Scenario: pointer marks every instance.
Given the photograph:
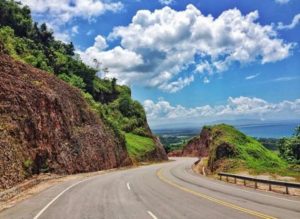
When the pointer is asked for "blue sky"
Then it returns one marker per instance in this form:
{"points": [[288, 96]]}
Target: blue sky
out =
{"points": [[190, 61]]}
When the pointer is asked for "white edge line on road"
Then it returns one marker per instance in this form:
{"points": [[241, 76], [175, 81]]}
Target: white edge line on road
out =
{"points": [[128, 186], [53, 200], [152, 215]]}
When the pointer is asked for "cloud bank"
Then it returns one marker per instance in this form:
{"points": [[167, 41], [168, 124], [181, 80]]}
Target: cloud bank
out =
{"points": [[236, 108]]}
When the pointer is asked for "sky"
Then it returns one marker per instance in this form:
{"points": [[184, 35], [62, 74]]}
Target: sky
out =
{"points": [[190, 61]]}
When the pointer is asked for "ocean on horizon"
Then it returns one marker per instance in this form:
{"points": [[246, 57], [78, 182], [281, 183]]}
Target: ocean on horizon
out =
{"points": [[268, 130]]}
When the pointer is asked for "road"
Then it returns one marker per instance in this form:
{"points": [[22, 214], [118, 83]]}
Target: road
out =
{"points": [[167, 190]]}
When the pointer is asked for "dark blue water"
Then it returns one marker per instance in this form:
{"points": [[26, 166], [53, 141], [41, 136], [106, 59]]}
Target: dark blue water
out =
{"points": [[273, 130], [268, 130]]}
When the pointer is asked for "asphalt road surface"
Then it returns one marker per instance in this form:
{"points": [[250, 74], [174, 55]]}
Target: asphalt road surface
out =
{"points": [[167, 190]]}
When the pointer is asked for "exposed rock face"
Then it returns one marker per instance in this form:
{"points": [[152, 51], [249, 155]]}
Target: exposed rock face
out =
{"points": [[175, 153], [159, 153], [46, 125], [198, 146]]}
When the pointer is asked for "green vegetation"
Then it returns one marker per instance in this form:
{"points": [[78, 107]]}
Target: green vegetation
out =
{"points": [[138, 146], [28, 165], [74, 80], [289, 148], [172, 143], [269, 143], [31, 43], [243, 152], [35, 44]]}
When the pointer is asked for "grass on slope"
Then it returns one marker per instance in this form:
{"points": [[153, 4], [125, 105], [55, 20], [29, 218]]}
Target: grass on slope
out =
{"points": [[138, 146], [249, 153]]}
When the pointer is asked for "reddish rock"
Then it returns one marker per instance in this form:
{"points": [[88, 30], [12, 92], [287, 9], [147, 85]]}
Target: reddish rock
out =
{"points": [[198, 146], [159, 154], [46, 125], [175, 153]]}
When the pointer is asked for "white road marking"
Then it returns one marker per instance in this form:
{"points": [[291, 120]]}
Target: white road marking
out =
{"points": [[53, 200], [152, 215], [128, 186]]}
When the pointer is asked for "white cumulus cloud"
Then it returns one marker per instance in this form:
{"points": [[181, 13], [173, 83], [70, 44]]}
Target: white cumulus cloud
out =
{"points": [[65, 10], [56, 13], [166, 42]]}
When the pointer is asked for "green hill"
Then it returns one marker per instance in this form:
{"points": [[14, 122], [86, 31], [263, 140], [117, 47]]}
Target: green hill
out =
{"points": [[232, 150]]}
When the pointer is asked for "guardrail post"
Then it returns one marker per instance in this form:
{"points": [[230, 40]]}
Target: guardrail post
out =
{"points": [[270, 187], [286, 189], [255, 185], [220, 177], [235, 180], [227, 178]]}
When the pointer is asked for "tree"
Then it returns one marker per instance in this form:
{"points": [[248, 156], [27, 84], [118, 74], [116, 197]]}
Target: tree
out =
{"points": [[125, 106], [289, 149], [70, 49], [16, 16], [297, 131], [45, 35], [113, 85]]}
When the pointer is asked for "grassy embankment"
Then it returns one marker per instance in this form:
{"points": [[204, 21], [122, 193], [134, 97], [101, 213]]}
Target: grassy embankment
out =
{"points": [[138, 146], [247, 153]]}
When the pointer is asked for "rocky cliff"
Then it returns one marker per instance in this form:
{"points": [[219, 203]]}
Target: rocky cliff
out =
{"points": [[159, 153], [47, 126], [199, 146], [196, 147]]}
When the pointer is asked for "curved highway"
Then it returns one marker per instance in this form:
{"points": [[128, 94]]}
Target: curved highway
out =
{"points": [[167, 190]]}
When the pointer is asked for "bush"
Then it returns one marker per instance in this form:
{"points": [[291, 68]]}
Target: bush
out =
{"points": [[28, 165], [74, 80], [289, 149]]}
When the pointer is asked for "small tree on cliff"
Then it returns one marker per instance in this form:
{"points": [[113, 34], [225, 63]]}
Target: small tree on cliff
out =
{"points": [[297, 131], [113, 84]]}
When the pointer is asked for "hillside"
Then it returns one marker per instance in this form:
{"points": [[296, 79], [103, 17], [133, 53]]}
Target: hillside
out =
{"points": [[92, 116], [230, 150], [47, 126]]}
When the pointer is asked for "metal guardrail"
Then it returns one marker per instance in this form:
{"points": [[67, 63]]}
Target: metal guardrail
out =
{"points": [[287, 185]]}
